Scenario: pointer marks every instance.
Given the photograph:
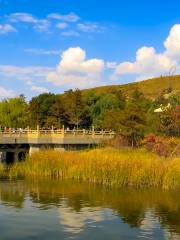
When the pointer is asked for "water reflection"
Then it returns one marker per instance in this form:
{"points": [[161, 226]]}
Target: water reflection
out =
{"points": [[64, 209], [75, 222], [12, 194]]}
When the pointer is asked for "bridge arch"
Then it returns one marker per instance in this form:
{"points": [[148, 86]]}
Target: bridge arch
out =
{"points": [[10, 158], [21, 156]]}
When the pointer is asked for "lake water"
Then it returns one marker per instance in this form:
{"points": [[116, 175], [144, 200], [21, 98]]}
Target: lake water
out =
{"points": [[54, 210]]}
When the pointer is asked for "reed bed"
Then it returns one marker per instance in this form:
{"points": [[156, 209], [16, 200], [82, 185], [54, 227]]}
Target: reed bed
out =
{"points": [[108, 167]]}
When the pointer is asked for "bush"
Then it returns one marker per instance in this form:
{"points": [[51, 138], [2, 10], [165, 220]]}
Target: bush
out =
{"points": [[162, 146]]}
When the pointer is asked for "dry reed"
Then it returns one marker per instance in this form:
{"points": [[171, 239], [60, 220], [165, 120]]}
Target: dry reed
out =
{"points": [[109, 167]]}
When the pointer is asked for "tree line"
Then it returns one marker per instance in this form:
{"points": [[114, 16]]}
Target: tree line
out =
{"points": [[131, 116]]}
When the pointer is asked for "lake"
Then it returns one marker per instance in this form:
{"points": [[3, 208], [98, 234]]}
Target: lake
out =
{"points": [[38, 209]]}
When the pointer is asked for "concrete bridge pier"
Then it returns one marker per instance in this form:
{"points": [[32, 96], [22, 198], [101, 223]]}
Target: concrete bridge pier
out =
{"points": [[2, 157], [36, 148], [33, 149]]}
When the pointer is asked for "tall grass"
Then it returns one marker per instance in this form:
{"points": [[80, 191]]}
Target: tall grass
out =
{"points": [[109, 167]]}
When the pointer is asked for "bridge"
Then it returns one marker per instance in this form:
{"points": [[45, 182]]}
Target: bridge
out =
{"points": [[14, 145]]}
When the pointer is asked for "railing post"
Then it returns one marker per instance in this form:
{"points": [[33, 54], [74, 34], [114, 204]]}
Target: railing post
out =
{"points": [[102, 133], [37, 129], [93, 133], [63, 130]]}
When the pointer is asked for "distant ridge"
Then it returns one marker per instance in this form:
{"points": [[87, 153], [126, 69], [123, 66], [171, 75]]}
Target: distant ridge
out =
{"points": [[151, 88]]}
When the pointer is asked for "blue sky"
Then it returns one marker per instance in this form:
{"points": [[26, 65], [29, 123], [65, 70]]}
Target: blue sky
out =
{"points": [[54, 45]]}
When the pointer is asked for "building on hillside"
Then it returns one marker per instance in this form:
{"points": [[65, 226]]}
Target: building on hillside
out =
{"points": [[162, 108]]}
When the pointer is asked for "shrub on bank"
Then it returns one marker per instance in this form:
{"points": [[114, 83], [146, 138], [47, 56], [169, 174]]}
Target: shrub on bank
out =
{"points": [[162, 146]]}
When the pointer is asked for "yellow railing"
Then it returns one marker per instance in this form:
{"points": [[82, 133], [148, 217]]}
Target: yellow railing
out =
{"points": [[55, 133]]}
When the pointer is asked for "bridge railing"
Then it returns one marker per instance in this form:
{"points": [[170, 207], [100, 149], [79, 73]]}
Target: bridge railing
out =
{"points": [[60, 133]]}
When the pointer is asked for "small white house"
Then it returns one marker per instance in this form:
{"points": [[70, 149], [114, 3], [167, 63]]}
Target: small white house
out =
{"points": [[162, 108]]}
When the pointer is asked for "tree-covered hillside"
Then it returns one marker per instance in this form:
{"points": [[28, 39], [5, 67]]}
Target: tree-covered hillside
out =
{"points": [[131, 110]]}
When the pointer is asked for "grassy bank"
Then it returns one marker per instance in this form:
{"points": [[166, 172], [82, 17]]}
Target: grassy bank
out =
{"points": [[109, 167]]}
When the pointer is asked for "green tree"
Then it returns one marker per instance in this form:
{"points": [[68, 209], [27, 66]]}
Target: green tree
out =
{"points": [[129, 123], [105, 102], [40, 110], [74, 108], [112, 120], [170, 121], [13, 112], [132, 124], [58, 112]]}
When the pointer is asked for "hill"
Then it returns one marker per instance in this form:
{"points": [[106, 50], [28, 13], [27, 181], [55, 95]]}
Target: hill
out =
{"points": [[151, 88]]}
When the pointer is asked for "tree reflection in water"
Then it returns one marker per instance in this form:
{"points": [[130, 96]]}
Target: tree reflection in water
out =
{"points": [[79, 203]]}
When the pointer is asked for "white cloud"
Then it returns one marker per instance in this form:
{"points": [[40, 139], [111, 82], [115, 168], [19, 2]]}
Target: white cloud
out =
{"points": [[54, 20], [42, 25], [71, 17], [39, 89], [111, 65], [89, 27], [4, 93], [62, 25], [29, 83], [30, 76], [70, 33], [22, 17], [42, 51], [172, 43], [149, 63], [38, 24], [75, 71], [6, 28], [24, 73]]}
